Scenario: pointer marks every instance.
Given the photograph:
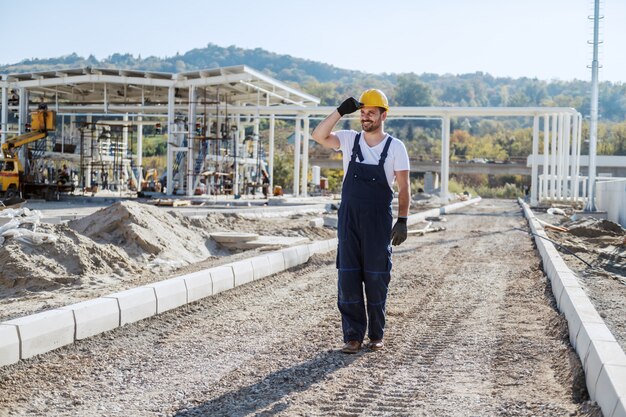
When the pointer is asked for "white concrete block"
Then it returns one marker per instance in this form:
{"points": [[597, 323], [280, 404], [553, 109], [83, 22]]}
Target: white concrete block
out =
{"points": [[242, 271], [561, 281], [170, 293], [291, 257], [199, 285], [316, 222], [43, 332], [620, 408], [589, 333], [95, 316], [601, 353], [303, 253], [559, 264], [577, 309], [135, 304], [277, 262], [316, 247], [223, 278], [611, 386], [9, 345], [261, 266]]}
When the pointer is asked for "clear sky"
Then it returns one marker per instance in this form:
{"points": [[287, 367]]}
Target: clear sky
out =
{"points": [[546, 39]]}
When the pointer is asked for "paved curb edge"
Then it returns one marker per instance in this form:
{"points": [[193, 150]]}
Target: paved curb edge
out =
{"points": [[603, 359]]}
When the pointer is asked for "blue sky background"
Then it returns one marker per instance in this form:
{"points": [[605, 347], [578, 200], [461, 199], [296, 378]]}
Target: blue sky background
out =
{"points": [[546, 39]]}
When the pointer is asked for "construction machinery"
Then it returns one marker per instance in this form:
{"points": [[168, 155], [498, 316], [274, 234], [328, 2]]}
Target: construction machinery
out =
{"points": [[13, 179]]}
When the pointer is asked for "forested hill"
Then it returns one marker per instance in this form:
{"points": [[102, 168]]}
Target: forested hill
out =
{"points": [[332, 84]]}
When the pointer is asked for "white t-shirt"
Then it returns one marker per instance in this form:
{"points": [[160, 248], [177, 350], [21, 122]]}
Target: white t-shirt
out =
{"points": [[397, 156]]}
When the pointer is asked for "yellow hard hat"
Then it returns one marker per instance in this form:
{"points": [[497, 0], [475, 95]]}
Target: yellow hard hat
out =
{"points": [[374, 98]]}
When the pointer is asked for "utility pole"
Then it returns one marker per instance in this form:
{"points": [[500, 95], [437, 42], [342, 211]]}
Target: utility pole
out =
{"points": [[593, 126]]}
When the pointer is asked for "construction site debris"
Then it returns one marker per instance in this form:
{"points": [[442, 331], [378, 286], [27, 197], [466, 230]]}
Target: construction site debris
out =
{"points": [[551, 226], [556, 210], [170, 202], [427, 229]]}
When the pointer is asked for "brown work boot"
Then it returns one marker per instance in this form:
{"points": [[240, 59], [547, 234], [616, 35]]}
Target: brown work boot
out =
{"points": [[376, 344], [353, 346]]}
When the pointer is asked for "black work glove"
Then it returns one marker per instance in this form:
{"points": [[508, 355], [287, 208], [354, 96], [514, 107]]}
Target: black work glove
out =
{"points": [[349, 105], [399, 231]]}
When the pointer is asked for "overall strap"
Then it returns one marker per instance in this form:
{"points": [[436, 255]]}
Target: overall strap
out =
{"points": [[356, 149], [383, 155]]}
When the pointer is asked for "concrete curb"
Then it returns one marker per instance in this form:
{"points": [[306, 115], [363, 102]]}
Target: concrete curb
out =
{"points": [[603, 359], [38, 333]]}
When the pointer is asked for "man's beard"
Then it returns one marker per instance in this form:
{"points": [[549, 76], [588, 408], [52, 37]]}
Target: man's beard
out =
{"points": [[371, 125]]}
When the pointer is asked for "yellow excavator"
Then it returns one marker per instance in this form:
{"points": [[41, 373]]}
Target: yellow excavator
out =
{"points": [[12, 176]]}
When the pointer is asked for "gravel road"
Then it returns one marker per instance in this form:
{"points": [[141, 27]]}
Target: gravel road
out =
{"points": [[472, 330]]}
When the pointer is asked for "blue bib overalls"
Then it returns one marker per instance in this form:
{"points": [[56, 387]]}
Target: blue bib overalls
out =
{"points": [[364, 249]]}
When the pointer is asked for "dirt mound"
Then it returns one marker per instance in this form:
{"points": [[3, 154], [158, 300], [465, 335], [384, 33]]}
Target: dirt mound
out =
{"points": [[591, 227], [145, 233], [117, 242]]}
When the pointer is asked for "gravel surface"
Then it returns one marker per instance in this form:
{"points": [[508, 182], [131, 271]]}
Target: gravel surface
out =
{"points": [[472, 331]]}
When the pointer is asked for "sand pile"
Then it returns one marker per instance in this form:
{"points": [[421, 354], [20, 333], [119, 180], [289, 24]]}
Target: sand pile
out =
{"points": [[146, 233], [117, 242]]}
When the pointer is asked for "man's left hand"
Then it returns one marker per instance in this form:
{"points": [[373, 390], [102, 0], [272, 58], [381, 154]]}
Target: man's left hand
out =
{"points": [[399, 231]]}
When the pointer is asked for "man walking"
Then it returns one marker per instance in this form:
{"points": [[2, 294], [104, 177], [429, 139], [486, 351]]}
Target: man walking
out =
{"points": [[372, 160]]}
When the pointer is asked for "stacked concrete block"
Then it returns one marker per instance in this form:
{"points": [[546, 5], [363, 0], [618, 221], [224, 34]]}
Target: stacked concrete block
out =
{"points": [[94, 316], [260, 266], [135, 304], [199, 285], [9, 345], [170, 293], [43, 332], [223, 278], [242, 271]]}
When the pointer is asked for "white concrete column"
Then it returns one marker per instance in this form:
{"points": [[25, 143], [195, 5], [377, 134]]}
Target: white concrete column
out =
{"points": [[124, 156], [535, 164], [140, 150], [546, 157], [106, 98], [567, 129], [255, 139], [555, 120], [4, 117], [305, 157], [271, 150], [88, 143], [237, 139], [22, 111], [296, 157], [191, 130], [445, 158], [170, 137], [579, 129], [560, 162]]}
